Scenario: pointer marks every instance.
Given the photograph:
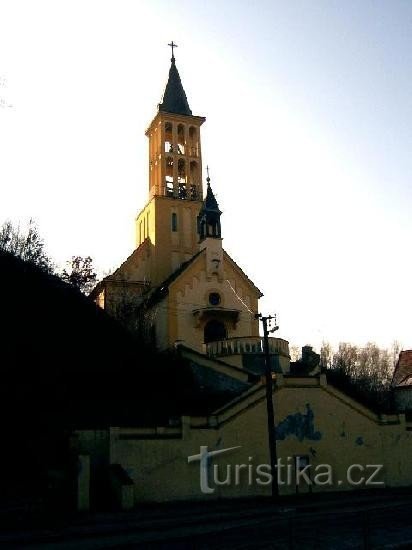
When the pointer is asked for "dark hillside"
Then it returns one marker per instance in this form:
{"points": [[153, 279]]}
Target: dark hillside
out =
{"points": [[65, 364]]}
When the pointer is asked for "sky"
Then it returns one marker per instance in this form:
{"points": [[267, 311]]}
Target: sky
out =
{"points": [[308, 137]]}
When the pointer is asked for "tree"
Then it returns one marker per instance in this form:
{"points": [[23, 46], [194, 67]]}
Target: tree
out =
{"points": [[326, 354], [395, 350], [365, 372], [27, 245], [81, 273], [294, 352], [369, 365]]}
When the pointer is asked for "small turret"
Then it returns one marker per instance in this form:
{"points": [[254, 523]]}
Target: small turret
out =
{"points": [[208, 221]]}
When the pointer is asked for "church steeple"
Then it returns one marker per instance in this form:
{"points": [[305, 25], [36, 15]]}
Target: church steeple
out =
{"points": [[174, 97], [209, 215], [169, 219]]}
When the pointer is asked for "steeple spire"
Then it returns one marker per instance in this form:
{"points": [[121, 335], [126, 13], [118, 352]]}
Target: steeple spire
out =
{"points": [[174, 98], [209, 216]]}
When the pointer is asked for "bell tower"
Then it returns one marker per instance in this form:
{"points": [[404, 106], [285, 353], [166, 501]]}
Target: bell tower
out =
{"points": [[175, 159], [169, 220]]}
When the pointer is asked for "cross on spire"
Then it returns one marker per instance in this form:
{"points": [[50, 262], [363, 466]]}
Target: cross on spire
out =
{"points": [[172, 45], [208, 177]]}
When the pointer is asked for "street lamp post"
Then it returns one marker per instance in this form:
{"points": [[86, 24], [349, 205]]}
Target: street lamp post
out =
{"points": [[269, 401]]}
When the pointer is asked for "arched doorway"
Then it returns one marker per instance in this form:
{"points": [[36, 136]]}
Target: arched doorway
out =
{"points": [[214, 331]]}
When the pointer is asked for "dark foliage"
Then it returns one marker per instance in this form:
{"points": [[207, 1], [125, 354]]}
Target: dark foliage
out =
{"points": [[378, 398], [27, 245], [65, 364], [363, 372], [81, 273]]}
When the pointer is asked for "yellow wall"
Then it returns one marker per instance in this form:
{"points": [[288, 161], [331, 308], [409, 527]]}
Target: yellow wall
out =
{"points": [[126, 286], [170, 248], [341, 433]]}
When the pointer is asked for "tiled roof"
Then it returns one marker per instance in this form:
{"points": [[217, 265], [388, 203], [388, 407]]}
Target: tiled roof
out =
{"points": [[403, 370], [174, 98], [162, 290], [243, 273]]}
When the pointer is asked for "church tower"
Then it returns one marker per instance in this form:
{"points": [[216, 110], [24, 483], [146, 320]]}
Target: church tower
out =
{"points": [[169, 219]]}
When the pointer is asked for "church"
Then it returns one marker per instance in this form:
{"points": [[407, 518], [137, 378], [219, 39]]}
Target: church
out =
{"points": [[188, 294], [190, 291]]}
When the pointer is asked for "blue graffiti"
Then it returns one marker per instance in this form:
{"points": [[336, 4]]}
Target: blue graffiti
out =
{"points": [[300, 425], [359, 440]]}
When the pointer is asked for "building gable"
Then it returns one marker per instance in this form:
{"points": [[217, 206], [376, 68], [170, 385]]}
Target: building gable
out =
{"points": [[197, 298]]}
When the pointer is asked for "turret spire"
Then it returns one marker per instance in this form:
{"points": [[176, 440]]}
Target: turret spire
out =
{"points": [[209, 216]]}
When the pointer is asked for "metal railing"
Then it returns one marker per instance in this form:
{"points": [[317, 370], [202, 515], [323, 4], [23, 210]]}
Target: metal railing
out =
{"points": [[246, 344]]}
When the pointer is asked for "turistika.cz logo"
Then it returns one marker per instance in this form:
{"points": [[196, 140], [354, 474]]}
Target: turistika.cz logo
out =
{"points": [[296, 471]]}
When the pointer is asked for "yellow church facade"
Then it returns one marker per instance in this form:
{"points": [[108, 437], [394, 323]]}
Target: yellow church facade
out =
{"points": [[191, 296]]}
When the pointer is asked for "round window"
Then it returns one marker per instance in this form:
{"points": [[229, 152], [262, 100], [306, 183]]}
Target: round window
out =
{"points": [[214, 299]]}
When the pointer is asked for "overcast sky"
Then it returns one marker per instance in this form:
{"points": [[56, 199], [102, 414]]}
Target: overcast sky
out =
{"points": [[308, 139]]}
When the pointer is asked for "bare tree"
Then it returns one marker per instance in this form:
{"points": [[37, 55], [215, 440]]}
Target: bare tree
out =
{"points": [[27, 245], [395, 350], [326, 355], [345, 359], [365, 371], [294, 352]]}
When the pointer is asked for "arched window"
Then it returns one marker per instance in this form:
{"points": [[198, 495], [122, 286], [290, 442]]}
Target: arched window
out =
{"points": [[194, 172], [214, 299], [193, 149], [169, 177], [174, 221], [181, 170], [181, 179], [181, 139], [214, 331], [168, 138], [194, 195]]}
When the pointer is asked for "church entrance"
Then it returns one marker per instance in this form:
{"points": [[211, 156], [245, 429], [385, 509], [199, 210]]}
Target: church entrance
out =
{"points": [[214, 331]]}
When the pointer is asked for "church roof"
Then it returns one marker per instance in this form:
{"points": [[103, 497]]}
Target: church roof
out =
{"points": [[242, 273], [174, 98], [403, 370], [210, 202], [162, 290]]}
